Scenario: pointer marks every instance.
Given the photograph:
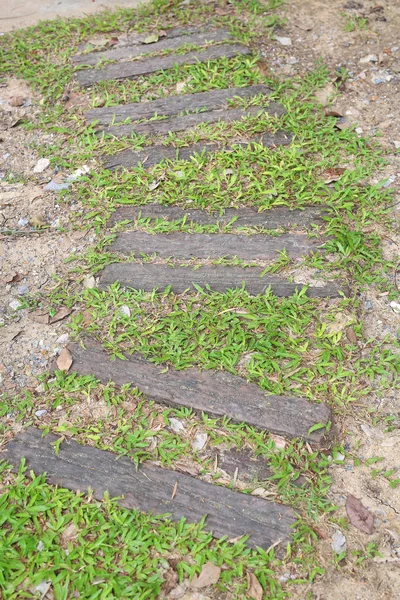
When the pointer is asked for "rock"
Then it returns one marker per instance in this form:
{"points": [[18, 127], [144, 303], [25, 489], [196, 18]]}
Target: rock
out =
{"points": [[369, 58], [78, 173], [63, 339], [324, 94], [52, 186], [199, 441], [395, 306], [16, 101], [124, 311], [89, 282], [22, 290], [15, 304], [41, 165], [396, 144], [339, 543], [176, 425], [23, 222], [40, 546], [339, 457], [40, 413], [284, 41]]}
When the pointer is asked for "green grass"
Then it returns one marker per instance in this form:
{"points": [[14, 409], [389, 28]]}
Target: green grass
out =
{"points": [[287, 346]]}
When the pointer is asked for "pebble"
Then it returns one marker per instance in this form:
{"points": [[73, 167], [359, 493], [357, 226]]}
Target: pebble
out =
{"points": [[284, 41], [389, 181], [339, 457], [369, 58], [395, 306], [176, 425], [15, 304], [52, 186], [199, 441], [339, 543], [89, 282], [125, 311], [23, 222], [63, 339], [41, 165], [22, 290], [40, 546], [40, 413], [396, 144]]}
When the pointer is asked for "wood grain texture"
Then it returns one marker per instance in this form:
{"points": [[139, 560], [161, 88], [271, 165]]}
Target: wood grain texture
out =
{"points": [[153, 155], [173, 105], [165, 126], [214, 245], [217, 393], [273, 218], [128, 70], [165, 43], [149, 488], [219, 278]]}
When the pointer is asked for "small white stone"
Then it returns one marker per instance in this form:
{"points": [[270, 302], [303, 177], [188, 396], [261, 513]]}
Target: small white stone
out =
{"points": [[40, 546], [359, 130], [339, 457], [339, 543], [63, 339], [15, 304], [41, 165], [284, 41], [199, 442], [176, 425], [40, 413], [125, 311], [396, 144], [395, 306], [89, 282], [369, 58]]}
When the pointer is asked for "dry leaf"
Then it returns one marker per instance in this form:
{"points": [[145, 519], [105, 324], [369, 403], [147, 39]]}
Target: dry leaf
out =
{"points": [[170, 581], [358, 515], [180, 86], [351, 336], [162, 33], [264, 68], [254, 589], [40, 316], [221, 12], [209, 575], [15, 278], [150, 39], [334, 174], [64, 361], [61, 314], [16, 101], [113, 41], [69, 534]]}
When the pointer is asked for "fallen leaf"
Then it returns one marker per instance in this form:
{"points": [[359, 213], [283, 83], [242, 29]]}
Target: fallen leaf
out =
{"points": [[150, 39], [221, 12], [15, 278], [358, 515], [16, 101], [37, 221], [304, 24], [340, 323], [64, 361], [69, 534], [334, 111], [351, 336], [40, 316], [192, 470], [209, 575], [113, 41], [199, 442], [170, 581], [254, 588], [61, 314], [162, 33], [174, 490], [334, 174], [323, 95], [264, 68], [89, 282]]}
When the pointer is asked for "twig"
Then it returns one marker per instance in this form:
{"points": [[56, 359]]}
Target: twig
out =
{"points": [[396, 270], [19, 231]]}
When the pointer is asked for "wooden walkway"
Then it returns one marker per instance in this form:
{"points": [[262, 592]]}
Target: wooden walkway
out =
{"points": [[219, 394]]}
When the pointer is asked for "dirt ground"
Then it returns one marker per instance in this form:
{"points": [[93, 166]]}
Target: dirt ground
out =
{"points": [[31, 262]]}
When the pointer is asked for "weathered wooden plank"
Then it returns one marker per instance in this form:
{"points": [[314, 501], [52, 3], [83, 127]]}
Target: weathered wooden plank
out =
{"points": [[149, 488], [214, 245], [165, 126], [273, 218], [153, 155], [217, 393], [219, 278], [173, 105], [167, 43], [132, 69]]}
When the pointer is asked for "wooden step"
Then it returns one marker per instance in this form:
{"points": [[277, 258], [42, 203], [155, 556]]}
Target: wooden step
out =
{"points": [[153, 155], [273, 218], [165, 43], [173, 105], [149, 488], [128, 70], [217, 393], [214, 245], [218, 278], [166, 126]]}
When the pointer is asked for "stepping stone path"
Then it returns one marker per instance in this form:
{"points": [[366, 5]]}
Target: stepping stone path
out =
{"points": [[219, 394]]}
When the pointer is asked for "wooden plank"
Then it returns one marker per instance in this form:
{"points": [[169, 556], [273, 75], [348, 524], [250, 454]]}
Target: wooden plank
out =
{"points": [[166, 43], [153, 155], [273, 218], [173, 105], [214, 245], [165, 126], [217, 393], [150, 488], [128, 70], [219, 278]]}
